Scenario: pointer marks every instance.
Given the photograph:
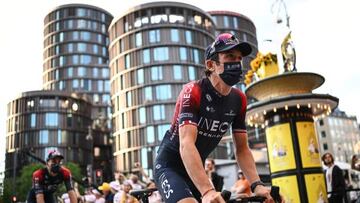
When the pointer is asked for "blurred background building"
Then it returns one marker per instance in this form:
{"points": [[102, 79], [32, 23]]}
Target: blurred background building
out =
{"points": [[40, 121], [155, 49], [76, 60], [339, 134]]}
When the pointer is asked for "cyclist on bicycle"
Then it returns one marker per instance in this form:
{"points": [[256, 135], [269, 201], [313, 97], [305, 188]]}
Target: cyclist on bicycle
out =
{"points": [[204, 111], [46, 180]]}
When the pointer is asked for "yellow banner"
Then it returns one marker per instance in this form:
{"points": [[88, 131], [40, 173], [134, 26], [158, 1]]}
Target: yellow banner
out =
{"points": [[280, 148], [315, 188], [288, 188], [309, 146]]}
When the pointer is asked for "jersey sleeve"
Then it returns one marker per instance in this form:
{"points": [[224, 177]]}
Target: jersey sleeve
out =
{"points": [[37, 181], [67, 178], [239, 121], [189, 104]]}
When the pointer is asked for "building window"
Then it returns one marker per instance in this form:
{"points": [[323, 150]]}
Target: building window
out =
{"points": [[80, 12], [70, 72], [325, 146], [154, 36], [163, 92], [148, 93], [128, 99], [226, 21], [174, 34], [323, 134], [235, 21], [81, 47], [142, 115], [150, 135], [33, 120], [196, 55], [183, 54], [144, 160], [70, 48], [159, 112], [138, 39], [177, 70], [51, 119], [61, 137], [105, 73], [146, 55], [44, 136], [161, 54], [100, 85], [61, 37], [81, 71], [127, 61], [188, 37], [156, 73], [192, 73], [75, 84], [161, 130], [140, 76]]}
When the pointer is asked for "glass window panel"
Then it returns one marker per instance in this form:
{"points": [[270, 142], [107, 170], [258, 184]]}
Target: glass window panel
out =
{"points": [[161, 129], [140, 76], [174, 33], [156, 73], [81, 71], [33, 120], [95, 72], [81, 47], [144, 160], [192, 73], [148, 93], [177, 70], [163, 92], [150, 135], [196, 55], [142, 115], [70, 72], [146, 55], [75, 84], [105, 73], [51, 119], [183, 54], [44, 136], [138, 39], [235, 21], [161, 54], [128, 99], [159, 112], [154, 36], [70, 47], [127, 61], [226, 21], [188, 37], [107, 85], [100, 85]]}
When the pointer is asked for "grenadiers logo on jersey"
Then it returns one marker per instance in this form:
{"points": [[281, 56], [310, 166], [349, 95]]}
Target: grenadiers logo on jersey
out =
{"points": [[212, 128], [186, 95], [230, 113]]}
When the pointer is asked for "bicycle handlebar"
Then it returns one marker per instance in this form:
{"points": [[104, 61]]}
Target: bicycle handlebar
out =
{"points": [[274, 194]]}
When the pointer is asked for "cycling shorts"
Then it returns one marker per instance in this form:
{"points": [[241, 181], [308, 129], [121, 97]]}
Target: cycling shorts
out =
{"points": [[172, 180]]}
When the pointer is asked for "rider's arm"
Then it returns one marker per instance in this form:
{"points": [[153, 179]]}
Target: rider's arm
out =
{"points": [[37, 181], [72, 196], [191, 158], [69, 184]]}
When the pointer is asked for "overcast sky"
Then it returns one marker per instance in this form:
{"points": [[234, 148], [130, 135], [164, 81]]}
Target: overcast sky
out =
{"points": [[325, 34]]}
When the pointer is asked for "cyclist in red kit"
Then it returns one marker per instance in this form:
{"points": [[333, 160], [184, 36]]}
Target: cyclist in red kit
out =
{"points": [[46, 181], [204, 112]]}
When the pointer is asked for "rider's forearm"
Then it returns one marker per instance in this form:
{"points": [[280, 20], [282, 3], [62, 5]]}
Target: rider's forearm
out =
{"points": [[40, 198], [193, 164], [72, 196], [246, 162]]}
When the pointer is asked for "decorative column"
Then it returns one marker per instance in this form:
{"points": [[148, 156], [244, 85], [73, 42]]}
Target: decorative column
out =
{"points": [[286, 108]]}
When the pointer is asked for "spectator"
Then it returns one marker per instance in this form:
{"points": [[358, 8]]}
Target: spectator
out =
{"points": [[123, 195], [241, 188], [106, 190], [155, 197], [98, 196], [217, 180], [135, 183], [335, 181], [355, 164]]}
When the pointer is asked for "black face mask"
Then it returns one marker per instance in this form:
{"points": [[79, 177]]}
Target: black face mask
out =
{"points": [[232, 73], [55, 168]]}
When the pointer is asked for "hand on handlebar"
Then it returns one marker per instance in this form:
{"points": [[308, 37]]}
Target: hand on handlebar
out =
{"points": [[212, 197], [263, 191]]}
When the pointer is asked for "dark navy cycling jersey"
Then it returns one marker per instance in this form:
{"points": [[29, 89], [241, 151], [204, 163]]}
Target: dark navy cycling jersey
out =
{"points": [[201, 105], [43, 182]]}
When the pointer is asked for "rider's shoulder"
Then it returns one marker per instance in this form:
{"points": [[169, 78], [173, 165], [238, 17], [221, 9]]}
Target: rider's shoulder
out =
{"points": [[65, 171], [39, 173], [238, 92]]}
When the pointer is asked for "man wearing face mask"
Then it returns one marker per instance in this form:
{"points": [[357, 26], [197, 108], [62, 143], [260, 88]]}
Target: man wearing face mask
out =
{"points": [[204, 111], [46, 181]]}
